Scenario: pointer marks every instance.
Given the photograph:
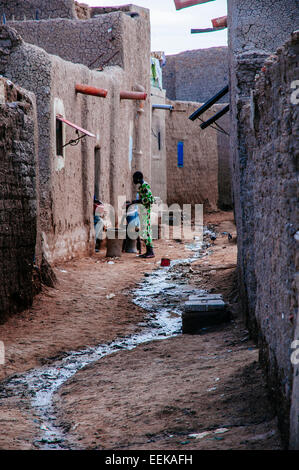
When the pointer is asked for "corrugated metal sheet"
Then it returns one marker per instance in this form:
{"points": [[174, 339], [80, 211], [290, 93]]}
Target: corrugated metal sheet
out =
{"points": [[69, 123]]}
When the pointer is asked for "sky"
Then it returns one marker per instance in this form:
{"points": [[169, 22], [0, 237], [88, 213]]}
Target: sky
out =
{"points": [[171, 28]]}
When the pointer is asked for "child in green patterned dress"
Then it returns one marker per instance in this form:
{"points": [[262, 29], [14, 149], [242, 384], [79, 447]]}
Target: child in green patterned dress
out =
{"points": [[146, 199]]}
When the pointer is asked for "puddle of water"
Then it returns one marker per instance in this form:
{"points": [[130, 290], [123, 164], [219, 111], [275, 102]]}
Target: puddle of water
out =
{"points": [[158, 294]]}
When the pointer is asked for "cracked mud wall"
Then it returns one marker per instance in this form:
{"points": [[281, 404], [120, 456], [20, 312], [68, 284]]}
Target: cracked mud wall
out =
{"points": [[19, 247], [94, 42], [196, 75], [82, 11], [48, 9], [129, 9], [18, 9], [112, 38], [294, 413], [264, 127], [251, 41], [272, 145]]}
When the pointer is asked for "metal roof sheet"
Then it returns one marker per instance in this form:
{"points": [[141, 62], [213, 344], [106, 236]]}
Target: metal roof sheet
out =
{"points": [[71, 124]]}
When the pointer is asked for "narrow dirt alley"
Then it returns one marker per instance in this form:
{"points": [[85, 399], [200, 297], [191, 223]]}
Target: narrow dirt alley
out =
{"points": [[99, 362]]}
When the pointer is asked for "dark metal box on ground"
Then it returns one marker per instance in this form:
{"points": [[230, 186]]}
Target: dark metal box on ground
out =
{"points": [[202, 312]]}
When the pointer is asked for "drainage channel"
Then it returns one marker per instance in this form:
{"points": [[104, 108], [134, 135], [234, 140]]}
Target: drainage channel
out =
{"points": [[159, 294]]}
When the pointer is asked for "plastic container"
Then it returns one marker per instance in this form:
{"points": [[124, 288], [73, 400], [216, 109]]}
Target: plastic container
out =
{"points": [[165, 262], [133, 223], [115, 238]]}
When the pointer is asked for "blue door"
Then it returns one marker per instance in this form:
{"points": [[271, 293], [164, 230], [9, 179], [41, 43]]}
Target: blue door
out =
{"points": [[180, 154]]}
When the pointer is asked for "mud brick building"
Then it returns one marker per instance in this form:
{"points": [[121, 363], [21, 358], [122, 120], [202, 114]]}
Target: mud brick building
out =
{"points": [[196, 75], [203, 177], [49, 49], [264, 150], [110, 52], [18, 196], [67, 180], [190, 79], [20, 9]]}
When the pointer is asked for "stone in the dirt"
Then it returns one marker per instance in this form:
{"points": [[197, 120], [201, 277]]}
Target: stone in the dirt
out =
{"points": [[203, 312], [200, 435], [110, 296], [221, 430]]}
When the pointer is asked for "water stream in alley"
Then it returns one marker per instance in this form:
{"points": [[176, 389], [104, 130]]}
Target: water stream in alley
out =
{"points": [[161, 293]]}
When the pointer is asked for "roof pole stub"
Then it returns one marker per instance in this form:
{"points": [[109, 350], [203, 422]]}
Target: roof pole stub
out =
{"points": [[90, 90], [133, 95]]}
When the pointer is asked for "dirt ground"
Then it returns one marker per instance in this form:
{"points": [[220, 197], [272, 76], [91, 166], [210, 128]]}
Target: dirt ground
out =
{"points": [[156, 395]]}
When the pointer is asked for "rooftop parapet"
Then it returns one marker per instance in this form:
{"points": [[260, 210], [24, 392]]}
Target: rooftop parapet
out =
{"points": [[18, 10]]}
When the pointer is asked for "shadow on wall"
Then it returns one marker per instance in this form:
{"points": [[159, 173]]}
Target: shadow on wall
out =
{"points": [[225, 201]]}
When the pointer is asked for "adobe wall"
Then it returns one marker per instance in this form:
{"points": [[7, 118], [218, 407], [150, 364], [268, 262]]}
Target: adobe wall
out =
{"points": [[196, 75], [129, 9], [198, 181], [94, 45], [112, 38], [262, 162], [294, 413], [251, 40], [225, 200], [18, 197], [48, 9], [67, 187], [158, 130], [272, 146], [17, 9], [82, 11]]}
